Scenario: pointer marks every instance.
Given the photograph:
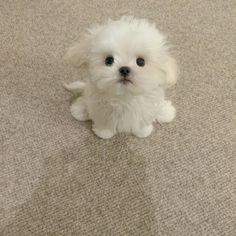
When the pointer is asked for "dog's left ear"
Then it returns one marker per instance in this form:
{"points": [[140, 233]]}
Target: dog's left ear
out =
{"points": [[170, 69]]}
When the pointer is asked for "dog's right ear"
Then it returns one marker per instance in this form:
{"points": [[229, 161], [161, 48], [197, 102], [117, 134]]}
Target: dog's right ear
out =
{"points": [[77, 55]]}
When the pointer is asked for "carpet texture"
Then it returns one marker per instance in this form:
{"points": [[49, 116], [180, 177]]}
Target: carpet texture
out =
{"points": [[57, 178]]}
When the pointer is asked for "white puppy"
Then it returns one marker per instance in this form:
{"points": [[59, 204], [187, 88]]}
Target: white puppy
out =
{"points": [[129, 67]]}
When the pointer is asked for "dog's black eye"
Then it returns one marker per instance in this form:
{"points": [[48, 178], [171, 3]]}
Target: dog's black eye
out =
{"points": [[140, 61], [109, 60]]}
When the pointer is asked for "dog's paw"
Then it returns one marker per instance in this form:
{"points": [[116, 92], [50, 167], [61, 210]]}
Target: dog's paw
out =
{"points": [[166, 113], [143, 132], [103, 133], [78, 110]]}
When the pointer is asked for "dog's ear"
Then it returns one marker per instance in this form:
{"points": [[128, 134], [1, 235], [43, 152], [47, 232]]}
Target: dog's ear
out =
{"points": [[77, 55], [170, 69]]}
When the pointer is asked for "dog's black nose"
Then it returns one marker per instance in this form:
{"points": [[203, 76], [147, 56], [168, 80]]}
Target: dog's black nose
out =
{"points": [[124, 71]]}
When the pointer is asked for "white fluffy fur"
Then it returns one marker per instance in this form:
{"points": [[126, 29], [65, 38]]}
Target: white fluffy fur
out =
{"points": [[112, 106]]}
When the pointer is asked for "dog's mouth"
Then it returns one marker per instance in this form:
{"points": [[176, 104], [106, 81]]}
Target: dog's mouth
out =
{"points": [[125, 80]]}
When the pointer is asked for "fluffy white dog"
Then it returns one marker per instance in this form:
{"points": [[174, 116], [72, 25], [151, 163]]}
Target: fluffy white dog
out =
{"points": [[129, 67]]}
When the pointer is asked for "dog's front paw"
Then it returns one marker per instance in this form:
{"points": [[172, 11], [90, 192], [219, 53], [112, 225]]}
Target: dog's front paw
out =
{"points": [[166, 113], [103, 133], [78, 110], [143, 132]]}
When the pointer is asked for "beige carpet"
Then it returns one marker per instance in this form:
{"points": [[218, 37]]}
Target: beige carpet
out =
{"points": [[57, 178]]}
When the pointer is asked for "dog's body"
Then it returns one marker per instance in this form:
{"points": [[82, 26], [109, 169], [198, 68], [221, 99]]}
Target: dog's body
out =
{"points": [[129, 68]]}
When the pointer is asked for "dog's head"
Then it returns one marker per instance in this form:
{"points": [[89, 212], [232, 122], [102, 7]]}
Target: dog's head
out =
{"points": [[127, 55]]}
